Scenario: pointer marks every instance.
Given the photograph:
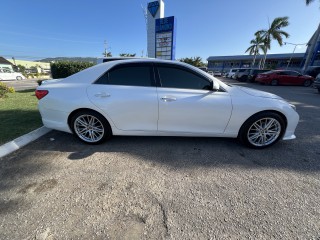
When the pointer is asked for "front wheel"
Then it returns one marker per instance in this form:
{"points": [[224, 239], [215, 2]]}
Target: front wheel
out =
{"points": [[90, 127], [262, 130], [19, 78]]}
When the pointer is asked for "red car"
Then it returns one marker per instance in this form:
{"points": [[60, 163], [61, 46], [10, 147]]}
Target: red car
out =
{"points": [[284, 77]]}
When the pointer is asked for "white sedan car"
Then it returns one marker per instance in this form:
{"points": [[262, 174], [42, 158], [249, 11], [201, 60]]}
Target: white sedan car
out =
{"points": [[6, 74], [152, 97]]}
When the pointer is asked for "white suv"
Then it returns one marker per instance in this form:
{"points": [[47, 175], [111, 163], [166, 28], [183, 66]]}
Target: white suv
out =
{"points": [[231, 73]]}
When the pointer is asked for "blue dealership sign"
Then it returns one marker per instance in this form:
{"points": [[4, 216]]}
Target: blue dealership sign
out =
{"points": [[166, 38], [153, 7]]}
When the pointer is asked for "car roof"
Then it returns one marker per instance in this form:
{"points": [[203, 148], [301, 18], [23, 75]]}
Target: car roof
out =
{"points": [[92, 73]]}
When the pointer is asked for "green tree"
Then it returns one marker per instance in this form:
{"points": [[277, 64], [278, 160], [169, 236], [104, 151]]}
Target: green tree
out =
{"points": [[274, 32], [22, 69], [195, 61], [257, 44], [127, 55], [309, 1], [107, 54]]}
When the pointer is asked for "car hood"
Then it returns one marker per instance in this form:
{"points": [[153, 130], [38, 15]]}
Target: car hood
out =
{"points": [[258, 93]]}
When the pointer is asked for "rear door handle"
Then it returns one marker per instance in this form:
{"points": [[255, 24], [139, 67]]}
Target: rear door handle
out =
{"points": [[168, 99], [102, 95]]}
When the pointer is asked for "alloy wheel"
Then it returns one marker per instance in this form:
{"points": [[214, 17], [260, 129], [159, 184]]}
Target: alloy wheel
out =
{"points": [[89, 128], [264, 132]]}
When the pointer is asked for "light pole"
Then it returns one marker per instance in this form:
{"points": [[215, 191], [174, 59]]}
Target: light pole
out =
{"points": [[295, 46]]}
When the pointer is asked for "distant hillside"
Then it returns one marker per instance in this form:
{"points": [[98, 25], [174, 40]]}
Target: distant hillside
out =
{"points": [[75, 59]]}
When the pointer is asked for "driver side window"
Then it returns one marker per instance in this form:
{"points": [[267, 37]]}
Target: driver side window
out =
{"points": [[171, 77]]}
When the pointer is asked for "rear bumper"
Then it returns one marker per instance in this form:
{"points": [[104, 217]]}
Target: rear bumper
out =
{"points": [[54, 119]]}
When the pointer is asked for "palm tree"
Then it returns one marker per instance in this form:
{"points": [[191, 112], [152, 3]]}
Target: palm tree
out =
{"points": [[257, 44], [309, 1], [274, 32]]}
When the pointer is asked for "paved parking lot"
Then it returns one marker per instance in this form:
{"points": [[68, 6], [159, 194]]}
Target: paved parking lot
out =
{"points": [[166, 187]]}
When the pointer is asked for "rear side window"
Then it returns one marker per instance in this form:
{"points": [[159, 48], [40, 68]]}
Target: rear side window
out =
{"points": [[293, 73], [172, 77], [132, 75]]}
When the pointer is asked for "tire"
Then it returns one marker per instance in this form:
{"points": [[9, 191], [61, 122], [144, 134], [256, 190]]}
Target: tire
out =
{"points": [[307, 83], [265, 136], [90, 127], [19, 78], [274, 82]]}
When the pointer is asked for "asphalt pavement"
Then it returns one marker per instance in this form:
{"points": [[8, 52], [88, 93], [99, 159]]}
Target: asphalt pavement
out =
{"points": [[166, 187]]}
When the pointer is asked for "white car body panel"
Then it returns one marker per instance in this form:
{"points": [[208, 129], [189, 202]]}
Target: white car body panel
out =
{"points": [[141, 111], [139, 114], [194, 111]]}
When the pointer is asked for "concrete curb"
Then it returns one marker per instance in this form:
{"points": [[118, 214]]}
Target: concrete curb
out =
{"points": [[22, 141]]}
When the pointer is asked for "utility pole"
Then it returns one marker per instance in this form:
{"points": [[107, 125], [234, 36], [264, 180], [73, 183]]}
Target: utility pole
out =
{"points": [[294, 49], [106, 53]]}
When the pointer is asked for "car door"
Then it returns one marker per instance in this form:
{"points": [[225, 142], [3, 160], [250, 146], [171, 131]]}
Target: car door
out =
{"points": [[295, 78], [128, 96], [187, 106], [283, 78]]}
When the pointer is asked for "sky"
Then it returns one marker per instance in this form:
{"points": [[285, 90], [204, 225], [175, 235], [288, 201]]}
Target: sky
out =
{"points": [[37, 29]]}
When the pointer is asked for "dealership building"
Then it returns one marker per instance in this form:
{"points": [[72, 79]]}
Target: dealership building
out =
{"points": [[274, 61], [293, 61]]}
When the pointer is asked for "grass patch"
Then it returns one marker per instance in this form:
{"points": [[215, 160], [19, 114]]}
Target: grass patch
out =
{"points": [[18, 115]]}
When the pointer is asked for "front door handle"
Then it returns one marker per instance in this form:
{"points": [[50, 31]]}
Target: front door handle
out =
{"points": [[102, 95], [168, 99]]}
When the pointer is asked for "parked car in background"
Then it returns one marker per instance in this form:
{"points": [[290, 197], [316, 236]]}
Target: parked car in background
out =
{"points": [[231, 72], [312, 71], [284, 77], [210, 72], [205, 69], [316, 83], [162, 98], [242, 74], [7, 74], [217, 74], [254, 73]]}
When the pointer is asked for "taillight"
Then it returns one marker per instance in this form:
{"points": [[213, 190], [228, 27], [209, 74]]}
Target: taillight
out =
{"points": [[41, 93]]}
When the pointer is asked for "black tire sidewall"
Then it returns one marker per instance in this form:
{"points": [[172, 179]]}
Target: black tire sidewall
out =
{"points": [[102, 119], [245, 128], [307, 81], [276, 82]]}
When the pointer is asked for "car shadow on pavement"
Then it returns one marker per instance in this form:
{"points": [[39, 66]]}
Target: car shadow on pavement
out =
{"points": [[187, 152]]}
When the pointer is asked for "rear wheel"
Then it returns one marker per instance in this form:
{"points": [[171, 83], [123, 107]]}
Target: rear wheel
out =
{"points": [[307, 83], [274, 82], [90, 127], [19, 78], [262, 130]]}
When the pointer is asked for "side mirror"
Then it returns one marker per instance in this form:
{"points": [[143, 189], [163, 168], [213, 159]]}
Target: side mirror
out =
{"points": [[214, 86]]}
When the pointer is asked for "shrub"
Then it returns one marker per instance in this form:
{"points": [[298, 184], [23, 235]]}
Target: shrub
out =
{"points": [[66, 69], [4, 90]]}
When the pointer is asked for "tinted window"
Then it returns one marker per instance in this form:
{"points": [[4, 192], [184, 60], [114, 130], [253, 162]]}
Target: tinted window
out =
{"points": [[293, 73], [282, 73], [179, 78], [127, 76]]}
